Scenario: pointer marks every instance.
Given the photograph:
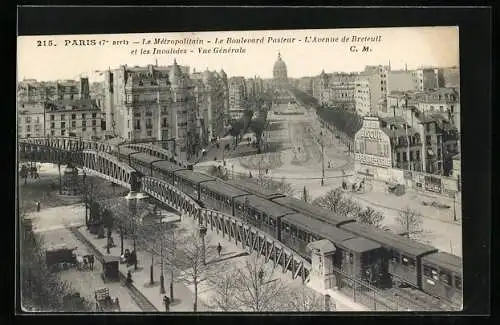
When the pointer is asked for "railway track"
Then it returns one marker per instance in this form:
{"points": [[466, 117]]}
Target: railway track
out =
{"points": [[142, 302]]}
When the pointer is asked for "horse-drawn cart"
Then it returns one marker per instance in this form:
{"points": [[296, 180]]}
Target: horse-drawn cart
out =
{"points": [[104, 302], [60, 257], [110, 271]]}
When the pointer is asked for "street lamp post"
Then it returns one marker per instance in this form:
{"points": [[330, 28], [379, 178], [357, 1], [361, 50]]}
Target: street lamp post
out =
{"points": [[162, 279], [203, 232]]}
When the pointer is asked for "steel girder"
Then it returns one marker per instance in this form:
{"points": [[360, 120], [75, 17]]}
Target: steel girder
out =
{"points": [[93, 162], [254, 239], [170, 195], [69, 143], [110, 168]]}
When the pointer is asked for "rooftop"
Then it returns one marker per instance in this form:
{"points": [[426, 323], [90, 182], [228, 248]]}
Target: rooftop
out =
{"points": [[310, 210], [315, 226], [167, 166], [388, 239], [194, 176], [264, 205], [223, 189], [451, 262], [323, 245], [360, 245]]}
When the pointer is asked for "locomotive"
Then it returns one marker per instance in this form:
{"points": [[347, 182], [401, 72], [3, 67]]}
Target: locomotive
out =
{"points": [[362, 250]]}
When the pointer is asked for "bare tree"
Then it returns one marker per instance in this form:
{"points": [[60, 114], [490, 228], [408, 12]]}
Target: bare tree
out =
{"points": [[410, 222], [371, 217], [332, 200], [302, 299], [191, 260], [256, 288], [225, 290]]}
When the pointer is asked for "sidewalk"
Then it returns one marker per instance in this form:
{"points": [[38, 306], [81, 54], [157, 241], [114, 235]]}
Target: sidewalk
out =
{"points": [[183, 297]]}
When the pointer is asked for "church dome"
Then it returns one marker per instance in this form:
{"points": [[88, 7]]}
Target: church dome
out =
{"points": [[279, 69]]}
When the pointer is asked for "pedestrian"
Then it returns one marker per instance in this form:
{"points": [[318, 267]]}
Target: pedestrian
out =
{"points": [[117, 303], [129, 277], [261, 276], [91, 262], [219, 249], [166, 302], [37, 206]]}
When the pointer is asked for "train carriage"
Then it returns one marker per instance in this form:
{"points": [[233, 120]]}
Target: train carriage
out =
{"points": [[124, 153], [298, 230], [310, 210], [442, 276], [255, 189], [261, 213], [189, 182], [219, 195], [142, 162], [165, 170], [401, 256]]}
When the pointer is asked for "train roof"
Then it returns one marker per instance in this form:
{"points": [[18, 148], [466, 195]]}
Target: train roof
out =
{"points": [[144, 157], [318, 227], [126, 150], [447, 260], [386, 238], [264, 205], [167, 166], [311, 210], [194, 176], [254, 189], [223, 188], [360, 244]]}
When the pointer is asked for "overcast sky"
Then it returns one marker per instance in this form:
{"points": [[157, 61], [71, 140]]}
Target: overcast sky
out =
{"points": [[428, 46]]}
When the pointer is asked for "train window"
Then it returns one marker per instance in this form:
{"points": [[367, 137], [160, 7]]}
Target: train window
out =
{"points": [[407, 261], [294, 231], [458, 282], [301, 235], [445, 277], [395, 256], [351, 258], [434, 274], [271, 222], [427, 271], [287, 228]]}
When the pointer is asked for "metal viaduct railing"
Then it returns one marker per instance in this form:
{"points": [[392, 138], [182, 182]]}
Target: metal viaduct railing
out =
{"points": [[230, 227]]}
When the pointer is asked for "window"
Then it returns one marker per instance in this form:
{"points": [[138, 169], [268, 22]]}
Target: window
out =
{"points": [[62, 117], [37, 119], [439, 153], [137, 125], [411, 156], [398, 157], [94, 123], [28, 119], [52, 125], [408, 261], [94, 130], [83, 116], [28, 135], [150, 133], [52, 117], [63, 125], [395, 257], [404, 156], [164, 122], [28, 128], [94, 115], [84, 128], [458, 282], [445, 277], [73, 116], [428, 139], [52, 132], [137, 114], [73, 124], [149, 113], [63, 132], [149, 124], [417, 154], [128, 123]]}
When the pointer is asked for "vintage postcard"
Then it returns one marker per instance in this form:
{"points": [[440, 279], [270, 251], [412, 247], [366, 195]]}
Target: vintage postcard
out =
{"points": [[240, 171]]}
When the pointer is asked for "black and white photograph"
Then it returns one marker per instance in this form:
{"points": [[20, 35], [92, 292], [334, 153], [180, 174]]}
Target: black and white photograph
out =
{"points": [[306, 170]]}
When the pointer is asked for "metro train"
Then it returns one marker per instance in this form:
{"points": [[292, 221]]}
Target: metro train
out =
{"points": [[361, 250]]}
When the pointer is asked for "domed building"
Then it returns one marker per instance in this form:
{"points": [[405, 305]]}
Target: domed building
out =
{"points": [[280, 77]]}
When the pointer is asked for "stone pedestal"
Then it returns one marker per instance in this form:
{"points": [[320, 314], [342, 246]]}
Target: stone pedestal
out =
{"points": [[70, 182]]}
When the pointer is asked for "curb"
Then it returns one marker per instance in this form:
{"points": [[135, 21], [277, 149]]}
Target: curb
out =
{"points": [[144, 302]]}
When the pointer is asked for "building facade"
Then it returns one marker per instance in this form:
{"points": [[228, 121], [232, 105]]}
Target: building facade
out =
{"points": [[237, 96], [425, 78], [154, 103]]}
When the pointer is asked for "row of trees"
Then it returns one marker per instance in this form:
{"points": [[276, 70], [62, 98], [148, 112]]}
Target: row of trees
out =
{"points": [[42, 290], [409, 221], [344, 121]]}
